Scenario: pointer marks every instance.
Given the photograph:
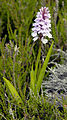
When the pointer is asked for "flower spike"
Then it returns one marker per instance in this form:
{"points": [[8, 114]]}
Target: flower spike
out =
{"points": [[42, 26]]}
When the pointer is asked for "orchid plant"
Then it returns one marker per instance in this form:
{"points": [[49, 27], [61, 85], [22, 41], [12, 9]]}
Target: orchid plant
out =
{"points": [[41, 29]]}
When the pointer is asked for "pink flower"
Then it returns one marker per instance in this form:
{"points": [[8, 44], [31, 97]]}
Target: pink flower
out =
{"points": [[42, 26]]}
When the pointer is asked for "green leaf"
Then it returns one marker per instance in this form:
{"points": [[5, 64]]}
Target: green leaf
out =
{"points": [[33, 79], [42, 72], [33, 74], [38, 59], [13, 92]]}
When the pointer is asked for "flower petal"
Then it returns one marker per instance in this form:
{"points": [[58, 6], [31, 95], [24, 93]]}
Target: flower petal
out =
{"points": [[35, 38], [44, 41], [34, 34], [49, 35]]}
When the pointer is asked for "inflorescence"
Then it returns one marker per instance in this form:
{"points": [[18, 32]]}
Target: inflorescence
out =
{"points": [[42, 26]]}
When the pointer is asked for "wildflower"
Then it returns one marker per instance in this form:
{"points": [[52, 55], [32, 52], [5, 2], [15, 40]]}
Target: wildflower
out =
{"points": [[42, 26]]}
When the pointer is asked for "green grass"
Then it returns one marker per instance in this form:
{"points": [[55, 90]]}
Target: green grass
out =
{"points": [[18, 53]]}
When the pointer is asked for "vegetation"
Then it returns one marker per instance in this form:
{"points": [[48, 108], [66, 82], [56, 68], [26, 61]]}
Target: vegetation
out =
{"points": [[22, 68]]}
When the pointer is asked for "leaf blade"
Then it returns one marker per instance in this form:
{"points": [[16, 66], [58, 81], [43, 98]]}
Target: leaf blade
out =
{"points": [[37, 61], [13, 91], [42, 72], [33, 79]]}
